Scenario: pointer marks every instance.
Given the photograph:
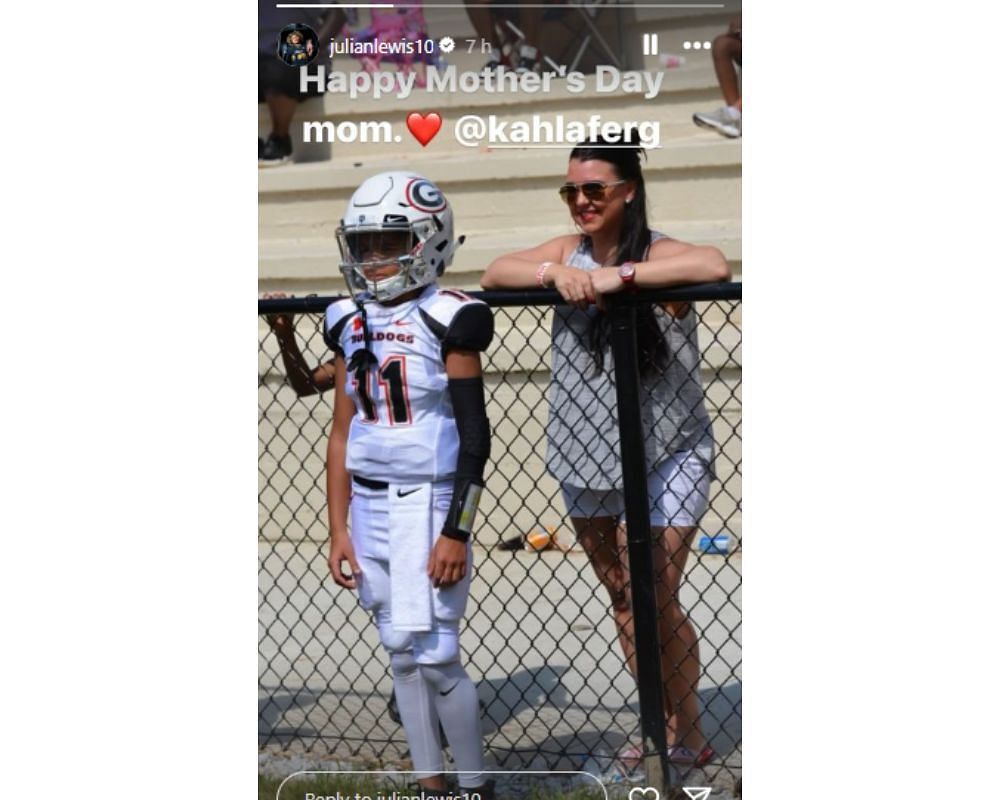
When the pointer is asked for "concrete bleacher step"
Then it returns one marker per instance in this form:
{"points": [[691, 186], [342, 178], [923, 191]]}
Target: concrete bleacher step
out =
{"points": [[683, 91], [312, 264], [695, 178], [687, 183], [695, 74], [697, 148], [719, 343]]}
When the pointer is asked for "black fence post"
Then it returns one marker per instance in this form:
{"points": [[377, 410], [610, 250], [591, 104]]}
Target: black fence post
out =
{"points": [[640, 546]]}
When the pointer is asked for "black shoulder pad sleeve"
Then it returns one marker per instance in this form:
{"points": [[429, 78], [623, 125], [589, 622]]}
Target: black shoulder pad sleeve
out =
{"points": [[471, 329]]}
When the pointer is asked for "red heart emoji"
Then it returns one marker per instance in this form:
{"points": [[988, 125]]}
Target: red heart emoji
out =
{"points": [[423, 128]]}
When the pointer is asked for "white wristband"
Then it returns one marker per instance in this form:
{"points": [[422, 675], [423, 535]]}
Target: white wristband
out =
{"points": [[540, 274]]}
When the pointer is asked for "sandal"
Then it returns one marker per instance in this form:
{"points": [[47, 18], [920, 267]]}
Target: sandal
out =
{"points": [[678, 754], [632, 758]]}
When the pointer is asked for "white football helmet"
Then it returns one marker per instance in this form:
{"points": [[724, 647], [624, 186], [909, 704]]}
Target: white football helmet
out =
{"points": [[385, 210]]}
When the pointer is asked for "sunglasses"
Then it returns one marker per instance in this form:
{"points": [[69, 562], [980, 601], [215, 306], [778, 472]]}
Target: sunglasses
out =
{"points": [[592, 190]]}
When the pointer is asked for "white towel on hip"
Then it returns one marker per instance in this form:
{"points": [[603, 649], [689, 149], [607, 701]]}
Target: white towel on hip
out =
{"points": [[411, 533]]}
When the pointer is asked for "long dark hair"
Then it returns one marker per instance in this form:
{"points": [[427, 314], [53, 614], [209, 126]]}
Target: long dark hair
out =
{"points": [[633, 245]]}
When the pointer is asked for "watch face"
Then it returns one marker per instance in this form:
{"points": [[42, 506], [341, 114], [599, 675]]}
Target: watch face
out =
{"points": [[626, 272]]}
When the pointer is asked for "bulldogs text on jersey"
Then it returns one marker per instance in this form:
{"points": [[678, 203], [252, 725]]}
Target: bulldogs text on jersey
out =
{"points": [[405, 426]]}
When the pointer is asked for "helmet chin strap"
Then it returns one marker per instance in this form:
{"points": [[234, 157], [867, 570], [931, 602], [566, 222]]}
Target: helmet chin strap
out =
{"points": [[364, 358]]}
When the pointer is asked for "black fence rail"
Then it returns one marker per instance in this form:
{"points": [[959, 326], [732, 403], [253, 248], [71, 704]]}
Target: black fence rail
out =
{"points": [[539, 638]]}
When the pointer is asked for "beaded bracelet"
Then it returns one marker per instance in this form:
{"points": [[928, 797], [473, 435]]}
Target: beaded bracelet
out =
{"points": [[540, 274]]}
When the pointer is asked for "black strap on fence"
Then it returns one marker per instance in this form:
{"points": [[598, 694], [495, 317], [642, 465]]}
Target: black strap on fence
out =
{"points": [[640, 545]]}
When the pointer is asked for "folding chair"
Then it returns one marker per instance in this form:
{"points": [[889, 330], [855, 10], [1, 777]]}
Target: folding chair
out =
{"points": [[588, 13], [562, 11]]}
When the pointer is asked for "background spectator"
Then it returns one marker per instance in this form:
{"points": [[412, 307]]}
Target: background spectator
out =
{"points": [[486, 20], [727, 52], [277, 82]]}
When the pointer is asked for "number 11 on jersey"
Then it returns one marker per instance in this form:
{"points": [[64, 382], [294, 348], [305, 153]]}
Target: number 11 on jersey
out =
{"points": [[392, 380]]}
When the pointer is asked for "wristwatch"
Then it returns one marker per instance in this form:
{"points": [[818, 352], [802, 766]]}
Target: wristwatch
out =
{"points": [[627, 273]]}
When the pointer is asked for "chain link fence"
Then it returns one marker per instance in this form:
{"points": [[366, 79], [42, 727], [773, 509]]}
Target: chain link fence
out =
{"points": [[539, 639]]}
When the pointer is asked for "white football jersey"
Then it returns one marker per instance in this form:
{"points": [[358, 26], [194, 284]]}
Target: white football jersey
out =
{"points": [[405, 427]]}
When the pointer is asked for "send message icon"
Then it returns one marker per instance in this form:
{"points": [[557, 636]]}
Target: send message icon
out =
{"points": [[697, 792]]}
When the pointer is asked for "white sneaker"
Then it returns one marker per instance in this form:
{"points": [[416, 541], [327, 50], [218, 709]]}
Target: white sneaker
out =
{"points": [[720, 121], [527, 60]]}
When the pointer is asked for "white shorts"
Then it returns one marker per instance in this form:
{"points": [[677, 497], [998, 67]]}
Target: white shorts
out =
{"points": [[678, 494], [370, 537]]}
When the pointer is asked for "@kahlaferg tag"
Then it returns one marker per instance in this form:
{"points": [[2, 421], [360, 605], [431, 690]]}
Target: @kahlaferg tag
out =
{"points": [[644, 793], [424, 127]]}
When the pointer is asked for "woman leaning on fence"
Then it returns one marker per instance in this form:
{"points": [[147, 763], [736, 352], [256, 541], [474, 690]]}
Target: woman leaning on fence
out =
{"points": [[615, 250]]}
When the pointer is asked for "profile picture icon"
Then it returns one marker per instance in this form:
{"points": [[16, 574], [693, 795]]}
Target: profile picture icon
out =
{"points": [[298, 45]]}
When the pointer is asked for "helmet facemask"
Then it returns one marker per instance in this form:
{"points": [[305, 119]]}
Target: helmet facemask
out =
{"points": [[366, 250]]}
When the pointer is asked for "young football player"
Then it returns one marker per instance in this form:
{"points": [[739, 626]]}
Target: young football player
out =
{"points": [[406, 456], [615, 250]]}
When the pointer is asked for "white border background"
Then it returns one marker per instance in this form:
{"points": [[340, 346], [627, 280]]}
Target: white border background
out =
{"points": [[130, 586], [129, 580], [869, 422]]}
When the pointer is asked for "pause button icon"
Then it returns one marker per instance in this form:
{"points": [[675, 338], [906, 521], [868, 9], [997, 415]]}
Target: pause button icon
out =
{"points": [[650, 44]]}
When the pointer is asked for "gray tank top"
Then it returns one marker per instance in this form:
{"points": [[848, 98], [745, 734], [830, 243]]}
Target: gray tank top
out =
{"points": [[583, 440]]}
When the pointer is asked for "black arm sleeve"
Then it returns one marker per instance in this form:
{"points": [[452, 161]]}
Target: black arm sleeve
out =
{"points": [[469, 403]]}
